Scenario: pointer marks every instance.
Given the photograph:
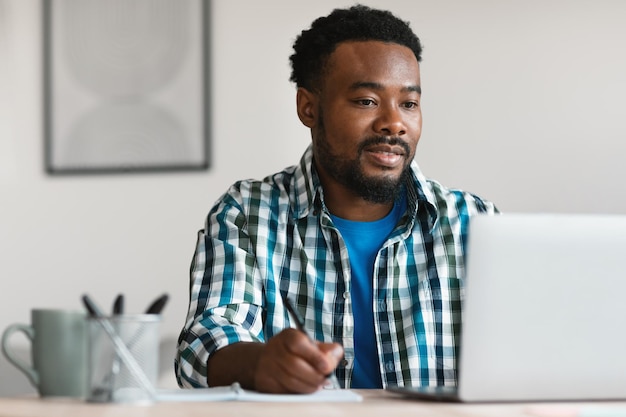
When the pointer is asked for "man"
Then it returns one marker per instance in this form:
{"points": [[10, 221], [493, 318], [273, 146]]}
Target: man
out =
{"points": [[369, 251]]}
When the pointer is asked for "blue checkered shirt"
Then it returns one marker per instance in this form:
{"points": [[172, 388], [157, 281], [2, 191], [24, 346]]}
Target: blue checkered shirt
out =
{"points": [[266, 239]]}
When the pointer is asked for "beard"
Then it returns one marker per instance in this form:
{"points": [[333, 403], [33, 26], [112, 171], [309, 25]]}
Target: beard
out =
{"points": [[349, 172]]}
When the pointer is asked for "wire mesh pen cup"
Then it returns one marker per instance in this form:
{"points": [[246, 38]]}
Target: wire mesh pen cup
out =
{"points": [[110, 377]]}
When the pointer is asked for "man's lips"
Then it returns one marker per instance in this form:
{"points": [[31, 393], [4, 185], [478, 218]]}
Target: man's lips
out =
{"points": [[383, 155], [384, 148]]}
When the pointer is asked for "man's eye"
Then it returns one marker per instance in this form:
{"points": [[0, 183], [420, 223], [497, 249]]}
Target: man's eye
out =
{"points": [[411, 105], [366, 102]]}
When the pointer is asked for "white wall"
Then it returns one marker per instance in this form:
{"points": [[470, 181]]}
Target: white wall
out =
{"points": [[523, 104]]}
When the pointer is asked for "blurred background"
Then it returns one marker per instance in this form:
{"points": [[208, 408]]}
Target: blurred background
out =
{"points": [[523, 104]]}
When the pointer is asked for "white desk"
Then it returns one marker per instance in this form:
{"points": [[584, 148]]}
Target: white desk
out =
{"points": [[376, 403]]}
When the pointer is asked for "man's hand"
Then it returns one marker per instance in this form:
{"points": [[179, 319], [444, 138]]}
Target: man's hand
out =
{"points": [[291, 362], [288, 363]]}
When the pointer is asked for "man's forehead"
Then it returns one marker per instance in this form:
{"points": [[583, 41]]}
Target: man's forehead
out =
{"points": [[374, 62], [369, 85]]}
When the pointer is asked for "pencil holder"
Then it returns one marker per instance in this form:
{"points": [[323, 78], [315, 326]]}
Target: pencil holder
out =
{"points": [[110, 376]]}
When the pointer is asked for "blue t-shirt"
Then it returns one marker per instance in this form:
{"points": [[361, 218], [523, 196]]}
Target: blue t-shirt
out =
{"points": [[364, 240]]}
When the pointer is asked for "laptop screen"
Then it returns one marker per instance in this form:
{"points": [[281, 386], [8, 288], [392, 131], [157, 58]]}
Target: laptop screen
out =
{"points": [[544, 312]]}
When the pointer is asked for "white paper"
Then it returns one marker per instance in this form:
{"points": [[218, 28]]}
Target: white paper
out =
{"points": [[236, 393]]}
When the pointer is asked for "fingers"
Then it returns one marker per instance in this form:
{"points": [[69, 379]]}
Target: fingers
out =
{"points": [[291, 362], [333, 352]]}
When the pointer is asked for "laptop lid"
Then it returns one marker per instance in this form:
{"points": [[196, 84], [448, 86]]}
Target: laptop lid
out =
{"points": [[545, 310]]}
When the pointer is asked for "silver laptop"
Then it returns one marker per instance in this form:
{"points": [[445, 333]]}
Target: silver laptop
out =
{"points": [[545, 310]]}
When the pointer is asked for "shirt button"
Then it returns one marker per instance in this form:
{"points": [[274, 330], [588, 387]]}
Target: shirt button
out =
{"points": [[389, 366], [344, 362], [346, 295], [382, 306]]}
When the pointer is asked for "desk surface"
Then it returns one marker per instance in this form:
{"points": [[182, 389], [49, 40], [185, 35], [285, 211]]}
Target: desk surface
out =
{"points": [[375, 403]]}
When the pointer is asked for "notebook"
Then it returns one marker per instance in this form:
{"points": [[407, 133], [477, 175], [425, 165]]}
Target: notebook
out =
{"points": [[235, 393], [545, 310]]}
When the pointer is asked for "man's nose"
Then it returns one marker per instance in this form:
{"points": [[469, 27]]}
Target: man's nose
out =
{"points": [[390, 121]]}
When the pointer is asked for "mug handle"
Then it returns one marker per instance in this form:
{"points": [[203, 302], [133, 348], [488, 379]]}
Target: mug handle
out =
{"points": [[21, 365]]}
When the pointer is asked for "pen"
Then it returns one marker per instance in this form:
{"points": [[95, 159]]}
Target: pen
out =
{"points": [[300, 325]]}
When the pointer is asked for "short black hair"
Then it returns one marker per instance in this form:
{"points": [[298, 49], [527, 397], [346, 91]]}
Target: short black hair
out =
{"points": [[313, 47]]}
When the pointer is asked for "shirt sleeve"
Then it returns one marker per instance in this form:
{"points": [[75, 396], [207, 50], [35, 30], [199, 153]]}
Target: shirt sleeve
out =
{"points": [[484, 206], [225, 303]]}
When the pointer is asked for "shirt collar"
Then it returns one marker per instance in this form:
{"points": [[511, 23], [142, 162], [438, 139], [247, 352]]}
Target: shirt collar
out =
{"points": [[308, 194]]}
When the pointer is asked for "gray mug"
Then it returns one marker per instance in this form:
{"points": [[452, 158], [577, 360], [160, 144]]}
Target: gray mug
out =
{"points": [[59, 343]]}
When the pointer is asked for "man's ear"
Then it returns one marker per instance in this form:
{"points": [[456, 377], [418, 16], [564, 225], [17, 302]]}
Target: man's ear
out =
{"points": [[307, 105]]}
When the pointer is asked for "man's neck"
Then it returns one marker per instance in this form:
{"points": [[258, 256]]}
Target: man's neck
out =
{"points": [[344, 203]]}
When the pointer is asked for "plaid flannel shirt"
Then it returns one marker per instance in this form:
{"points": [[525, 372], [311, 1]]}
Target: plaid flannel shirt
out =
{"points": [[265, 239]]}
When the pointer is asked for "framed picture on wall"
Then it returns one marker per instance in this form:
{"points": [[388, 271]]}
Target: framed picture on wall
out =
{"points": [[126, 85]]}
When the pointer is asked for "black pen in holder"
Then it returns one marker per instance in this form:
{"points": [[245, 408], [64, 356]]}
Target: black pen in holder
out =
{"points": [[123, 356]]}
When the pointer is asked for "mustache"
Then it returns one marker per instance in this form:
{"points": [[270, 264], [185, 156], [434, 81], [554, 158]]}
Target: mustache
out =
{"points": [[385, 140]]}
